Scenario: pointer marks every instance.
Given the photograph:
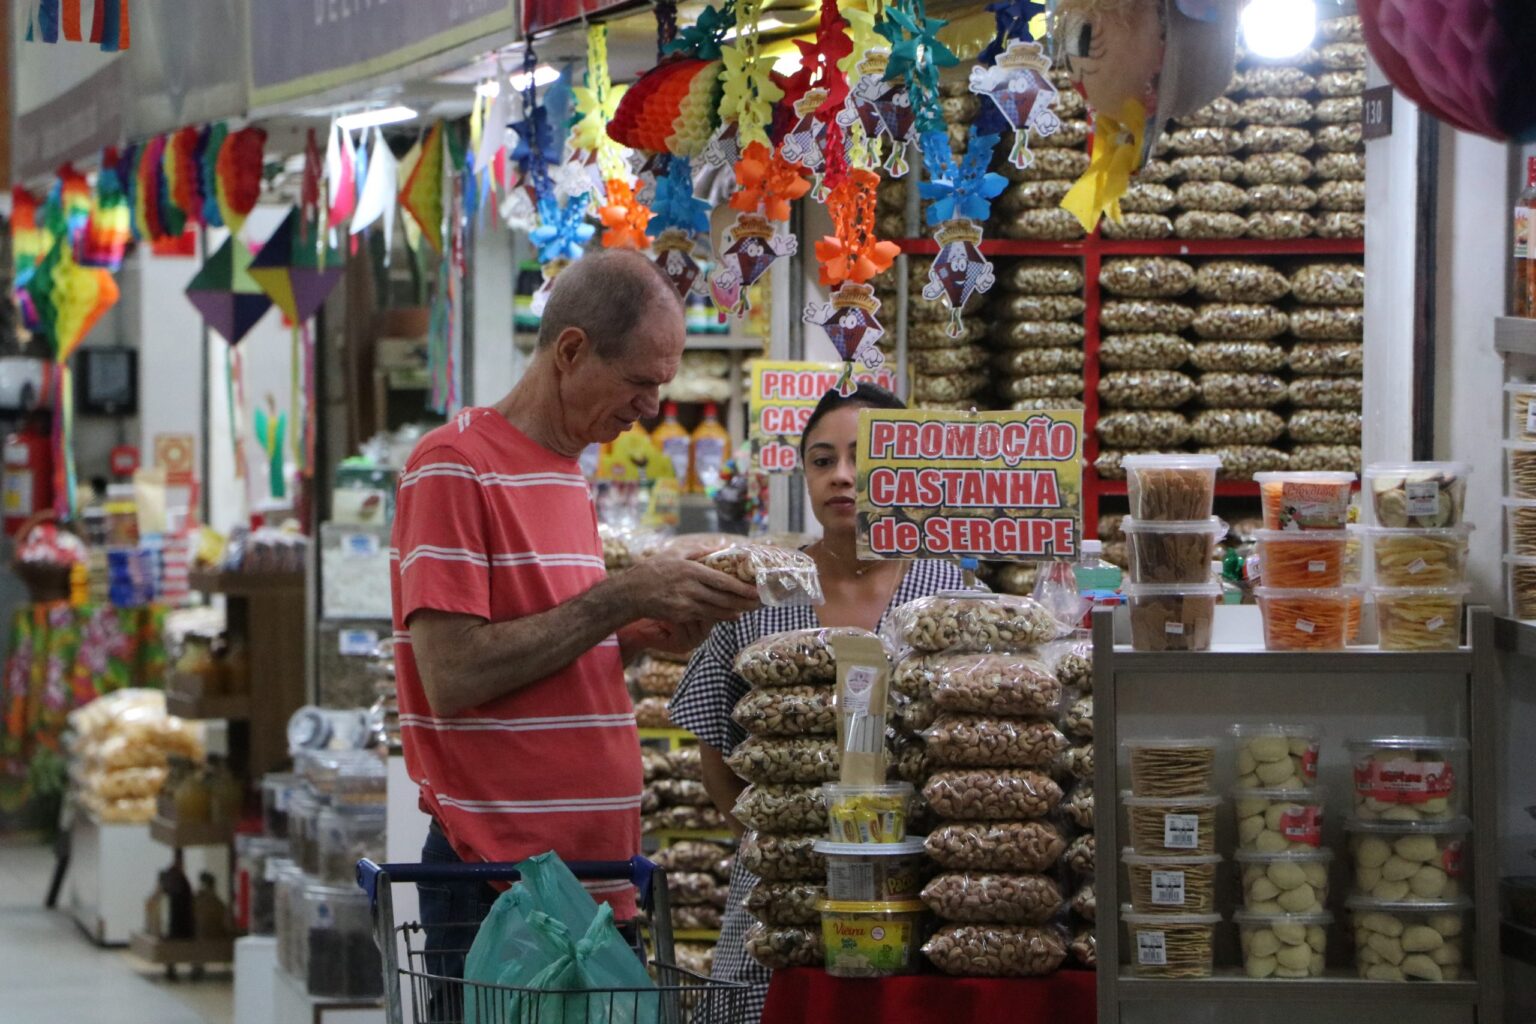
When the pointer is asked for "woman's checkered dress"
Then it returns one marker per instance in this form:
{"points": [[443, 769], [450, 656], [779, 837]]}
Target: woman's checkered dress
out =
{"points": [[703, 705]]}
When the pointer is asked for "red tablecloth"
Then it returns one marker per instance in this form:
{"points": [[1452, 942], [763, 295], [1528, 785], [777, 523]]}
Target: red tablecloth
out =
{"points": [[810, 996]]}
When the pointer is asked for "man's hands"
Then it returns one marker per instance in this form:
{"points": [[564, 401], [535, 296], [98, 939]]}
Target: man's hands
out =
{"points": [[665, 637], [676, 590]]}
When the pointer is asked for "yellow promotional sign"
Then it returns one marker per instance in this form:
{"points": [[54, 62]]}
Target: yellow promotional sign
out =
{"points": [[784, 394], [1001, 486]]}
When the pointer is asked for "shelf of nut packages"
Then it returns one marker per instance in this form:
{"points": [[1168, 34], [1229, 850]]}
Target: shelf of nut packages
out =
{"points": [[791, 750], [983, 682]]}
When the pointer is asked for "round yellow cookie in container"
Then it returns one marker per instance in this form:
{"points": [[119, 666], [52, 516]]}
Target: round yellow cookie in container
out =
{"points": [[872, 939]]}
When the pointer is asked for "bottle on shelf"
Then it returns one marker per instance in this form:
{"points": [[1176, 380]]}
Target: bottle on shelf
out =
{"points": [[1097, 579], [210, 918], [1523, 294], [672, 440], [711, 447], [173, 904], [226, 794], [193, 798]]}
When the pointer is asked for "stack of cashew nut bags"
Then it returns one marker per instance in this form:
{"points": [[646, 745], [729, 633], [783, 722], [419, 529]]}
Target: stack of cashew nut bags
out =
{"points": [[791, 751], [697, 869], [977, 666]]}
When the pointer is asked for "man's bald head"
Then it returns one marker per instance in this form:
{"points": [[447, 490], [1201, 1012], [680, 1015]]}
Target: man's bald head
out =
{"points": [[606, 294]]}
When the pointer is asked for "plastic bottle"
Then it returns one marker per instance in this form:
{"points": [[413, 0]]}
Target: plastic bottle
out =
{"points": [[711, 448], [1523, 294], [1096, 578], [670, 437]]}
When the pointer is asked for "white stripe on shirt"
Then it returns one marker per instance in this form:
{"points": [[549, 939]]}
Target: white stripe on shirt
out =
{"points": [[553, 560], [546, 724], [464, 472], [578, 806]]}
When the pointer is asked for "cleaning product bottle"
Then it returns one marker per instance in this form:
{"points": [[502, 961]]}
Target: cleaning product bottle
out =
{"points": [[670, 437], [711, 447]]}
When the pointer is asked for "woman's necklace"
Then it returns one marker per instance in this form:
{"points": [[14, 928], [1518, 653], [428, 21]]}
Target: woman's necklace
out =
{"points": [[860, 568]]}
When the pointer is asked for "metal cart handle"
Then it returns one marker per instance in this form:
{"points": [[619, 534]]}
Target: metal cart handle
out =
{"points": [[637, 870]]}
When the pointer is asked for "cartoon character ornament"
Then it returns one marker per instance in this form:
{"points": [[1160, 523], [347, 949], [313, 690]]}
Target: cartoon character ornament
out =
{"points": [[959, 271], [1019, 85], [674, 249], [882, 109], [1139, 63], [802, 143], [851, 321], [748, 249]]}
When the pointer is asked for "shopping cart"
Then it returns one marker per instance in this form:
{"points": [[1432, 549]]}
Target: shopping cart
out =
{"points": [[680, 996]]}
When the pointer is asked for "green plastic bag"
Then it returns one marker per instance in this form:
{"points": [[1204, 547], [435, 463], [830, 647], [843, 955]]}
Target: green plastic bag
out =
{"points": [[543, 934]]}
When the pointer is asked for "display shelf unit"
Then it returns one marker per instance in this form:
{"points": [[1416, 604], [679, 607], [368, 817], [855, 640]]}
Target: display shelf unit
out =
{"points": [[1357, 692], [1092, 250], [1515, 335], [181, 834]]}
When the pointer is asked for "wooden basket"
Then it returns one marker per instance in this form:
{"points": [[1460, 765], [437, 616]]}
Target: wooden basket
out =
{"points": [[45, 582]]}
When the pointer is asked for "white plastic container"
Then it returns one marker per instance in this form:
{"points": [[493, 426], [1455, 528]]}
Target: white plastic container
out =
{"points": [[1520, 576], [1409, 778], [1417, 494], [1283, 946], [1419, 558], [1171, 945], [1172, 616], [1171, 551], [1305, 500], [1292, 882], [1291, 559], [867, 814], [1411, 941], [1273, 820], [1272, 754], [1419, 618], [1174, 766], [1170, 487], [1171, 885], [873, 872], [1176, 825], [1522, 411], [1410, 862], [1520, 461]]}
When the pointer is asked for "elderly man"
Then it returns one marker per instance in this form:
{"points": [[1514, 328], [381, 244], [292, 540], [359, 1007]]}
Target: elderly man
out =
{"points": [[510, 638]]}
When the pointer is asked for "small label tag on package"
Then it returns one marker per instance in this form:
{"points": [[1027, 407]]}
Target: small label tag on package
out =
{"points": [[1168, 888], [1151, 949], [1181, 831], [863, 695]]}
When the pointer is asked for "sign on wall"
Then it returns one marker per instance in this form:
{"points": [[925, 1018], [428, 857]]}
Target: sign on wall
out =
{"points": [[1003, 486], [784, 394]]}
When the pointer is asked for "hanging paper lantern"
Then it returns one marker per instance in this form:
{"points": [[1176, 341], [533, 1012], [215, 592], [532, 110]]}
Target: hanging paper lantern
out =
{"points": [[238, 170], [29, 241], [671, 109], [183, 174], [104, 241], [148, 175], [208, 145]]}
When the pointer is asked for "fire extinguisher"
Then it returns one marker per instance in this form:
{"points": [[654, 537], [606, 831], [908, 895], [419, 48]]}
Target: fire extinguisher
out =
{"points": [[28, 481]]}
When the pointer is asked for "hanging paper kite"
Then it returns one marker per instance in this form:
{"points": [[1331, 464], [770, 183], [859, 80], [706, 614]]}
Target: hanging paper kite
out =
{"points": [[422, 194], [1019, 86], [849, 258], [959, 195], [226, 295], [340, 176], [380, 193], [293, 271], [748, 249], [881, 112]]}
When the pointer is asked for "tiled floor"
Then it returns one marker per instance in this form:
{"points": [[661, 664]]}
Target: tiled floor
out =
{"points": [[49, 972]]}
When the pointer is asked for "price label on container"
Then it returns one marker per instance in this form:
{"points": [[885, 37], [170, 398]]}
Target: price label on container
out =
{"points": [[1003, 486], [1376, 112], [1181, 831], [1168, 888], [1151, 949]]}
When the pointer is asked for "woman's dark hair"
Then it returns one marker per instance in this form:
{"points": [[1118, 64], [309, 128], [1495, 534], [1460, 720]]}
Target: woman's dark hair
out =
{"points": [[866, 396]]}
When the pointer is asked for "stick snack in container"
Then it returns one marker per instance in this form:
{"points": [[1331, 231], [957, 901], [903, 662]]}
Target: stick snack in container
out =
{"points": [[1283, 945], [1171, 825], [1520, 515], [1521, 573], [1289, 882], [1408, 778], [1417, 494], [1419, 558], [1168, 487], [1297, 560], [1171, 945], [1305, 501], [1409, 861], [1276, 755], [1396, 941], [1171, 885], [1304, 620], [1419, 618], [1522, 411], [783, 578], [1171, 766], [1520, 457]]}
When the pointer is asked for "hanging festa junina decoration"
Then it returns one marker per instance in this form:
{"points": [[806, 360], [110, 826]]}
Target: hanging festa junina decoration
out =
{"points": [[238, 170], [223, 291], [1020, 90], [596, 103], [680, 222], [849, 259], [47, 22], [1139, 63], [104, 241], [960, 194], [422, 194], [624, 218], [673, 107]]}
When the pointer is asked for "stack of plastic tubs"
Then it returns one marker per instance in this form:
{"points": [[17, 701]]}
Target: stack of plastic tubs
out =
{"points": [[1520, 502], [1419, 552], [1171, 538], [1172, 862], [1304, 564]]}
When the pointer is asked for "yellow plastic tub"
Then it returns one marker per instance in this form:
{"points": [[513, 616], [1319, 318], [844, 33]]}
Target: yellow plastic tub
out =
{"points": [[872, 939]]}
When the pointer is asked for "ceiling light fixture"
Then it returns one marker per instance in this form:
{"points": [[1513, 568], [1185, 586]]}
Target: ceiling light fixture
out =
{"points": [[488, 89], [542, 75], [1276, 29], [767, 24], [375, 118]]}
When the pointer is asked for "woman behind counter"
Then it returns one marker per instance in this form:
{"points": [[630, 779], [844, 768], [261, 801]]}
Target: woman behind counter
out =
{"points": [[857, 593]]}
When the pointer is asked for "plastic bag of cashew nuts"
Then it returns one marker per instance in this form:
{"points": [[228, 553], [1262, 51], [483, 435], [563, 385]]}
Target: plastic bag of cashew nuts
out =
{"points": [[1276, 81], [1071, 659], [1154, 351], [1328, 358], [997, 684], [996, 846], [1223, 390], [1146, 389], [977, 897], [1207, 168], [689, 855], [786, 904], [979, 741], [778, 948], [800, 657], [651, 713], [1209, 224], [1142, 428], [997, 950], [1138, 227], [657, 678], [686, 763], [783, 858], [654, 764], [1077, 719], [788, 711], [1238, 356], [1253, 321], [801, 759], [783, 578], [1150, 277], [1237, 426], [1044, 277], [1077, 807], [681, 793], [691, 888], [975, 622], [1329, 284], [770, 807], [991, 794]]}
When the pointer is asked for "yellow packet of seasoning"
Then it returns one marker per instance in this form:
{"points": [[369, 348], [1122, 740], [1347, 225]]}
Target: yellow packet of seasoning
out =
{"points": [[863, 696]]}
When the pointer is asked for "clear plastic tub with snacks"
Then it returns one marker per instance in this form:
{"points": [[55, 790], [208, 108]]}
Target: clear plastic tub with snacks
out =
{"points": [[1397, 941], [1172, 884], [1292, 559], [1274, 820], [1171, 945], [1520, 571], [1419, 618], [1277, 755], [1419, 558], [1522, 411], [1171, 765], [1520, 459], [1163, 825], [867, 814], [873, 871], [1288, 882], [1164, 487], [1305, 620], [1283, 946], [1520, 518], [1171, 551], [1172, 616], [1409, 861], [1305, 501], [1409, 778], [1417, 494]]}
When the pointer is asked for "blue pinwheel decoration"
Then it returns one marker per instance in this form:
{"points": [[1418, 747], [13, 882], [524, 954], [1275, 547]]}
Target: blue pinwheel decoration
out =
{"points": [[917, 54], [959, 189], [702, 39], [563, 231], [674, 204]]}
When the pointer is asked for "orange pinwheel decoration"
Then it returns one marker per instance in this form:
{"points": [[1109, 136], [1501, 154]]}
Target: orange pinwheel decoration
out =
{"points": [[854, 253], [625, 217], [767, 182]]}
